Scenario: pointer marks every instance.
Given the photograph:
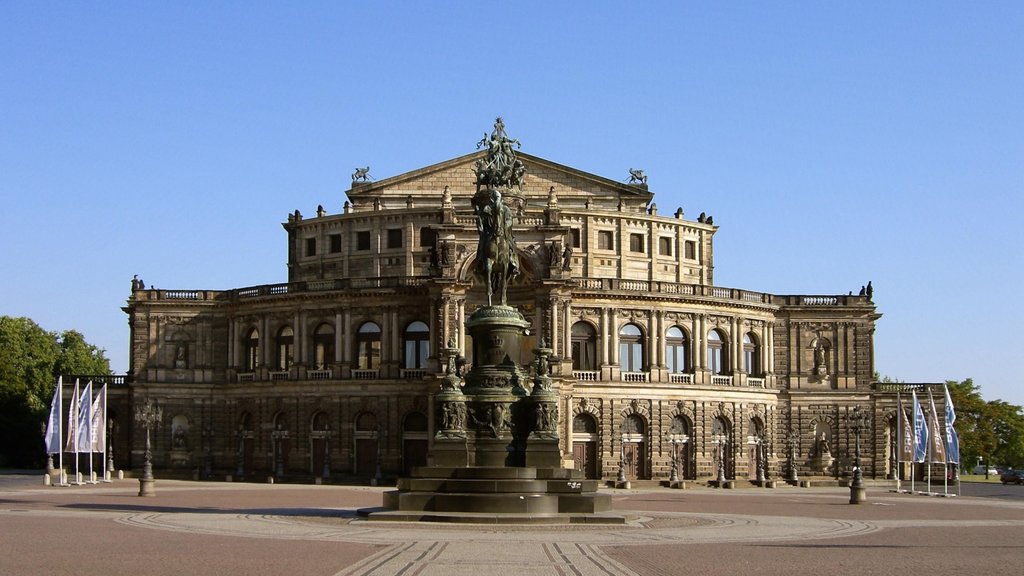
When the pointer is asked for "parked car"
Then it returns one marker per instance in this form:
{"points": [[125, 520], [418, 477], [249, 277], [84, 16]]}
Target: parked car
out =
{"points": [[981, 470], [1012, 477]]}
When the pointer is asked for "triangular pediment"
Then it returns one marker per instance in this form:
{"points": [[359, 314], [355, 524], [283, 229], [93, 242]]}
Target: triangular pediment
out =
{"points": [[459, 177]]}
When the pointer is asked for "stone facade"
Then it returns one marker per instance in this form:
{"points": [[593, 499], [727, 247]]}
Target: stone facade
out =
{"points": [[334, 372]]}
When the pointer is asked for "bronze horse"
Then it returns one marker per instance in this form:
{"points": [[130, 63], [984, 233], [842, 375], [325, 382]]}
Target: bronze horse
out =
{"points": [[496, 260]]}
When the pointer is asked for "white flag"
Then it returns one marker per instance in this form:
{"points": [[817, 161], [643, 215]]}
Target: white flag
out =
{"points": [[99, 418], [72, 445], [53, 424], [85, 420]]}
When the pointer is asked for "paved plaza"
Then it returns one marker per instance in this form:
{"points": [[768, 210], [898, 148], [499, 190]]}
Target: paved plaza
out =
{"points": [[202, 528]]}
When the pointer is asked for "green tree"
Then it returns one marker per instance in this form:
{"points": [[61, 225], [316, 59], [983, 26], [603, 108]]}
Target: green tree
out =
{"points": [[31, 358], [1007, 424], [992, 430], [976, 436]]}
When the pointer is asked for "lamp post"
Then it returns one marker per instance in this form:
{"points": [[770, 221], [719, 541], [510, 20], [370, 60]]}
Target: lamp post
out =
{"points": [[792, 440], [149, 415], [327, 452], [110, 446], [240, 452], [207, 435], [719, 441], [278, 437], [674, 477], [857, 420], [621, 480], [377, 476], [761, 458]]}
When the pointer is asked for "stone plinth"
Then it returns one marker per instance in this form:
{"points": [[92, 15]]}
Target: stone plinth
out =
{"points": [[499, 494]]}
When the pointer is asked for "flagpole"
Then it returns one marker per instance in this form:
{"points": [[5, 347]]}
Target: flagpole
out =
{"points": [[931, 445], [60, 431], [899, 437], [103, 422], [78, 473]]}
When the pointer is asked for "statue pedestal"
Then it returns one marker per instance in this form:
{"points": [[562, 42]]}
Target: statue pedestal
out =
{"points": [[496, 455]]}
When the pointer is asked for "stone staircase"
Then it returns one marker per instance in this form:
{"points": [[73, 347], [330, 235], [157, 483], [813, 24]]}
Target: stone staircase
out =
{"points": [[502, 495]]}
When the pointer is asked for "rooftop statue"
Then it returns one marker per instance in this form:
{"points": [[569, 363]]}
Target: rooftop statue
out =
{"points": [[361, 175], [500, 168], [496, 260]]}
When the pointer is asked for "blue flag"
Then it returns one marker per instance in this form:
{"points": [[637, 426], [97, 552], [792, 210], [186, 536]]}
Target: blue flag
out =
{"points": [[920, 431], [952, 440]]}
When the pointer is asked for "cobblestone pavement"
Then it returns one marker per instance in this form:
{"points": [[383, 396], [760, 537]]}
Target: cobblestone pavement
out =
{"points": [[218, 528]]}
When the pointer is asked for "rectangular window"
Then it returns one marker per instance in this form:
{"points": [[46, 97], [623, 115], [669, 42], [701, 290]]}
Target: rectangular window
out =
{"points": [[691, 250], [605, 240], [310, 246], [427, 237], [636, 242], [335, 240], [395, 238], [575, 237], [363, 240], [665, 246]]}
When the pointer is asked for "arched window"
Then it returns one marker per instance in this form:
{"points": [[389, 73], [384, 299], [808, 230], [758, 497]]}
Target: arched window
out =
{"points": [[677, 356], [415, 422], [718, 353], [584, 346], [252, 350], [584, 423], [751, 354], [366, 422], [285, 348], [368, 347], [323, 346], [631, 348], [417, 345]]}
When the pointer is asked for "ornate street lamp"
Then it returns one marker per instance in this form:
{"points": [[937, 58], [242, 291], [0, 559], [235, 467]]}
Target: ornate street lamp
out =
{"points": [[762, 460], [148, 415], [207, 436], [378, 476], [674, 478], [327, 452], [240, 453], [719, 441], [857, 420], [621, 480], [110, 446], [278, 437], [792, 440]]}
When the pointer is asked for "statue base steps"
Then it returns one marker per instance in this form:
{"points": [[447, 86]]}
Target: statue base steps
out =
{"points": [[513, 495]]}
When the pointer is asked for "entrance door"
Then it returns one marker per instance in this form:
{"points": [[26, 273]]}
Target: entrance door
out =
{"points": [[414, 453], [584, 456], [366, 457], [317, 446], [636, 462], [752, 458]]}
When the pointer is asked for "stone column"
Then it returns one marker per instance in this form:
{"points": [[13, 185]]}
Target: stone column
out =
{"points": [[699, 346], [656, 335], [338, 333], [346, 346], [605, 340], [266, 343], [233, 343], [566, 351], [461, 322], [297, 339], [736, 347], [553, 314]]}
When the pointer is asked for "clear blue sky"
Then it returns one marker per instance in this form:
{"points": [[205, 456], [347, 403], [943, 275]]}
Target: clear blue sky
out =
{"points": [[834, 143]]}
